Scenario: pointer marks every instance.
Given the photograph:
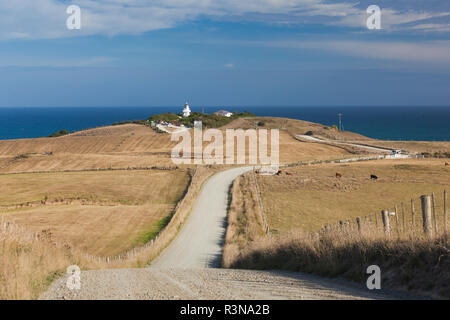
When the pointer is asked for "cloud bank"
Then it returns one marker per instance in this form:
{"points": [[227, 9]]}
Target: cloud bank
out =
{"points": [[41, 19], [430, 51]]}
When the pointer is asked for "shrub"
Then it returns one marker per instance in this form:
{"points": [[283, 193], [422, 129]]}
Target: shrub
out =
{"points": [[208, 120], [59, 133]]}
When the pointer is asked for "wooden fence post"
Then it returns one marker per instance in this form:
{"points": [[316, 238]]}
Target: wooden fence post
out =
{"points": [[426, 215], [403, 217], [386, 222], [396, 221], [436, 231], [445, 214], [358, 222], [413, 221], [376, 221]]}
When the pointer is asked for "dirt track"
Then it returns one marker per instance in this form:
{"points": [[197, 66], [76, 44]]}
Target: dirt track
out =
{"points": [[187, 268]]}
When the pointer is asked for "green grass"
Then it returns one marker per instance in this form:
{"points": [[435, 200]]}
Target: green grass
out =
{"points": [[151, 234], [59, 133], [38, 286]]}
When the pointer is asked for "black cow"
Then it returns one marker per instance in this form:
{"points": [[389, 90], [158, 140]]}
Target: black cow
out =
{"points": [[373, 177]]}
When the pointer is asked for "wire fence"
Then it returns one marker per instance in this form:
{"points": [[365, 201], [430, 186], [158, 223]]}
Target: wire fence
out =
{"points": [[260, 204], [12, 230], [422, 217]]}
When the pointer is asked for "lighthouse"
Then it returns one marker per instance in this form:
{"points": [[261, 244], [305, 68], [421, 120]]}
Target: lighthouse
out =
{"points": [[186, 110]]}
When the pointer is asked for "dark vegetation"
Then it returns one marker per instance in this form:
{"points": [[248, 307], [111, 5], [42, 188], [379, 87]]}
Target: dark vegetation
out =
{"points": [[59, 133], [436, 154], [143, 122], [208, 120]]}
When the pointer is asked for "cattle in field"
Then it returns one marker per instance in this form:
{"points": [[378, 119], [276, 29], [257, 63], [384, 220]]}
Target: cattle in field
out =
{"points": [[373, 177], [338, 175], [446, 164], [278, 172]]}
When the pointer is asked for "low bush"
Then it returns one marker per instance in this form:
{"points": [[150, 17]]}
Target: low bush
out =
{"points": [[59, 133]]}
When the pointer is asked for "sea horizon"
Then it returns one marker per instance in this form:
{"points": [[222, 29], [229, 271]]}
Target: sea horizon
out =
{"points": [[418, 123]]}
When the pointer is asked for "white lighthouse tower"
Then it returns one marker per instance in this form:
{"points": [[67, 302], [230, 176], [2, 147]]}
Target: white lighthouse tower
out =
{"points": [[186, 110]]}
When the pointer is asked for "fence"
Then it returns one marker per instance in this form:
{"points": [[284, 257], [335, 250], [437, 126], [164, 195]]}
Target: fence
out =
{"points": [[12, 229], [425, 217], [260, 204]]}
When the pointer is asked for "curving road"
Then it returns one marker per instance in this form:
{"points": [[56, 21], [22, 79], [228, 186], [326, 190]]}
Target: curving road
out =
{"points": [[199, 244], [367, 147], [188, 268]]}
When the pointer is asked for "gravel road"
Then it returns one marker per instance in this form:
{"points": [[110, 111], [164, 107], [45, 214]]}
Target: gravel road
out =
{"points": [[371, 148], [199, 244], [188, 268], [205, 284]]}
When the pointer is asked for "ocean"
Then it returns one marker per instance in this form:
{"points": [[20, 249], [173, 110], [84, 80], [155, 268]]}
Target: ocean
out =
{"points": [[391, 123]]}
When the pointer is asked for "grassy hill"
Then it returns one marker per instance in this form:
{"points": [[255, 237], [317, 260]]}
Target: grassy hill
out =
{"points": [[106, 212]]}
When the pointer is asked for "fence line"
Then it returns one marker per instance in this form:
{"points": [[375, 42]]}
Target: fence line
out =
{"points": [[434, 220], [159, 168], [13, 228], [261, 208]]}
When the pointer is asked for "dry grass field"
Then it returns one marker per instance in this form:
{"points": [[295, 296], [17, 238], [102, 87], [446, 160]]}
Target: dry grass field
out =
{"points": [[115, 187], [109, 147], [131, 146], [29, 265], [245, 224], [30, 261], [97, 230], [311, 196], [418, 266], [294, 127], [297, 204], [103, 213]]}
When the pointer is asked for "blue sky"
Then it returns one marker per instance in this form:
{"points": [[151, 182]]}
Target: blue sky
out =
{"points": [[224, 52]]}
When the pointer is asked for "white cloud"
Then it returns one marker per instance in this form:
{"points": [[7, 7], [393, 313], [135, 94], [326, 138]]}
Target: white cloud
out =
{"points": [[432, 27], [58, 63], [46, 18], [428, 52]]}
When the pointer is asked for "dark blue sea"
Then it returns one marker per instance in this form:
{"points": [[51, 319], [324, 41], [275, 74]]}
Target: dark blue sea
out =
{"points": [[393, 123]]}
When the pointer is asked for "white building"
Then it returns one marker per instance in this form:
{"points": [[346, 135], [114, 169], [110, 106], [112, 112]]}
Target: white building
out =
{"points": [[186, 110], [224, 113]]}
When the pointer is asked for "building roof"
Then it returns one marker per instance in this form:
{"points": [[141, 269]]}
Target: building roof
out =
{"points": [[222, 112]]}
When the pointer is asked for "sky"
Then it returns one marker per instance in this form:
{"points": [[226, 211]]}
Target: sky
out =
{"points": [[224, 53]]}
